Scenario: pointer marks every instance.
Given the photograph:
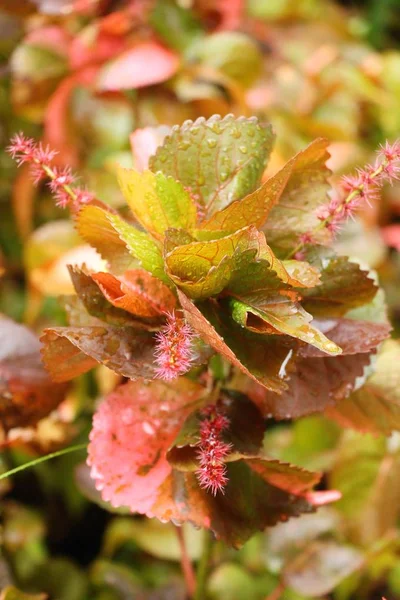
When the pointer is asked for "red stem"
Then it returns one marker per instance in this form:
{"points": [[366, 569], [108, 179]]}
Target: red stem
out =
{"points": [[186, 564]]}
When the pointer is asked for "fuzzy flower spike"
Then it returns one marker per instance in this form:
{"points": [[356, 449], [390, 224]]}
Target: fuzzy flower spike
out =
{"points": [[39, 157], [354, 190], [212, 451], [174, 351]]}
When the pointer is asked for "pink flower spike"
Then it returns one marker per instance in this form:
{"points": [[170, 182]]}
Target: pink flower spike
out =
{"points": [[62, 177], [82, 197], [174, 351], [306, 238], [21, 148], [389, 151], [212, 451]]}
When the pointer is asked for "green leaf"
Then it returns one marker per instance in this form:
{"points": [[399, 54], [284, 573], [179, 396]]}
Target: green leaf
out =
{"points": [[219, 160], [344, 285], [175, 24], [305, 190], [367, 473], [11, 593], [61, 579], [261, 357], [277, 313], [260, 493], [120, 243], [375, 407], [155, 538], [158, 202], [253, 209], [203, 269], [118, 577], [233, 53]]}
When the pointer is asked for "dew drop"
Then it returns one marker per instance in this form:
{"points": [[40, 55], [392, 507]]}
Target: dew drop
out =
{"points": [[243, 149], [211, 142]]}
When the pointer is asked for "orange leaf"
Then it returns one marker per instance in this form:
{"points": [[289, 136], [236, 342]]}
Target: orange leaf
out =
{"points": [[137, 292]]}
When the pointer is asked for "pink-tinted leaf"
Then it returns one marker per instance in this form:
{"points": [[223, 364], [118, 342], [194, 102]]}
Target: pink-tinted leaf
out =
{"points": [[132, 431], [147, 63], [27, 394], [144, 143], [57, 129]]}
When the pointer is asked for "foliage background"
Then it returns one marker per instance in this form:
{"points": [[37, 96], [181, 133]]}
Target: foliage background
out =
{"points": [[312, 68]]}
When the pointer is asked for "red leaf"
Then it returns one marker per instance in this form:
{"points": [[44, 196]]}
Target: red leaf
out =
{"points": [[57, 130], [145, 64], [132, 431]]}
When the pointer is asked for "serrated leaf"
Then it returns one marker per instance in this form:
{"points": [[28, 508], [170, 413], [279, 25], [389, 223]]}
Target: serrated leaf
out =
{"points": [[137, 292], [219, 160], [305, 190], [118, 242], [132, 431], [27, 394], [245, 432], [253, 209], [319, 382], [203, 269], [70, 351], [255, 497], [260, 357], [276, 313], [344, 285], [375, 407], [96, 303], [158, 202]]}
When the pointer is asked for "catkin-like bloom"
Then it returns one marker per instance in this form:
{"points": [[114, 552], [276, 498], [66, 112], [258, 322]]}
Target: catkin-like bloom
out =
{"points": [[174, 350], [212, 451], [356, 189], [40, 157]]}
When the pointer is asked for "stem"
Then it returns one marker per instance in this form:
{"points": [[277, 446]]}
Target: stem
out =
{"points": [[202, 568], [277, 592], [41, 459], [186, 564], [51, 175]]}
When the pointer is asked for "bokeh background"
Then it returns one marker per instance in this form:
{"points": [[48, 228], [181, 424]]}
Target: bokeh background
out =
{"points": [[83, 75]]}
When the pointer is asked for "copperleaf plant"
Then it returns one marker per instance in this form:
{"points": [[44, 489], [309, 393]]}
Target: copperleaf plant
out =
{"points": [[225, 305]]}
